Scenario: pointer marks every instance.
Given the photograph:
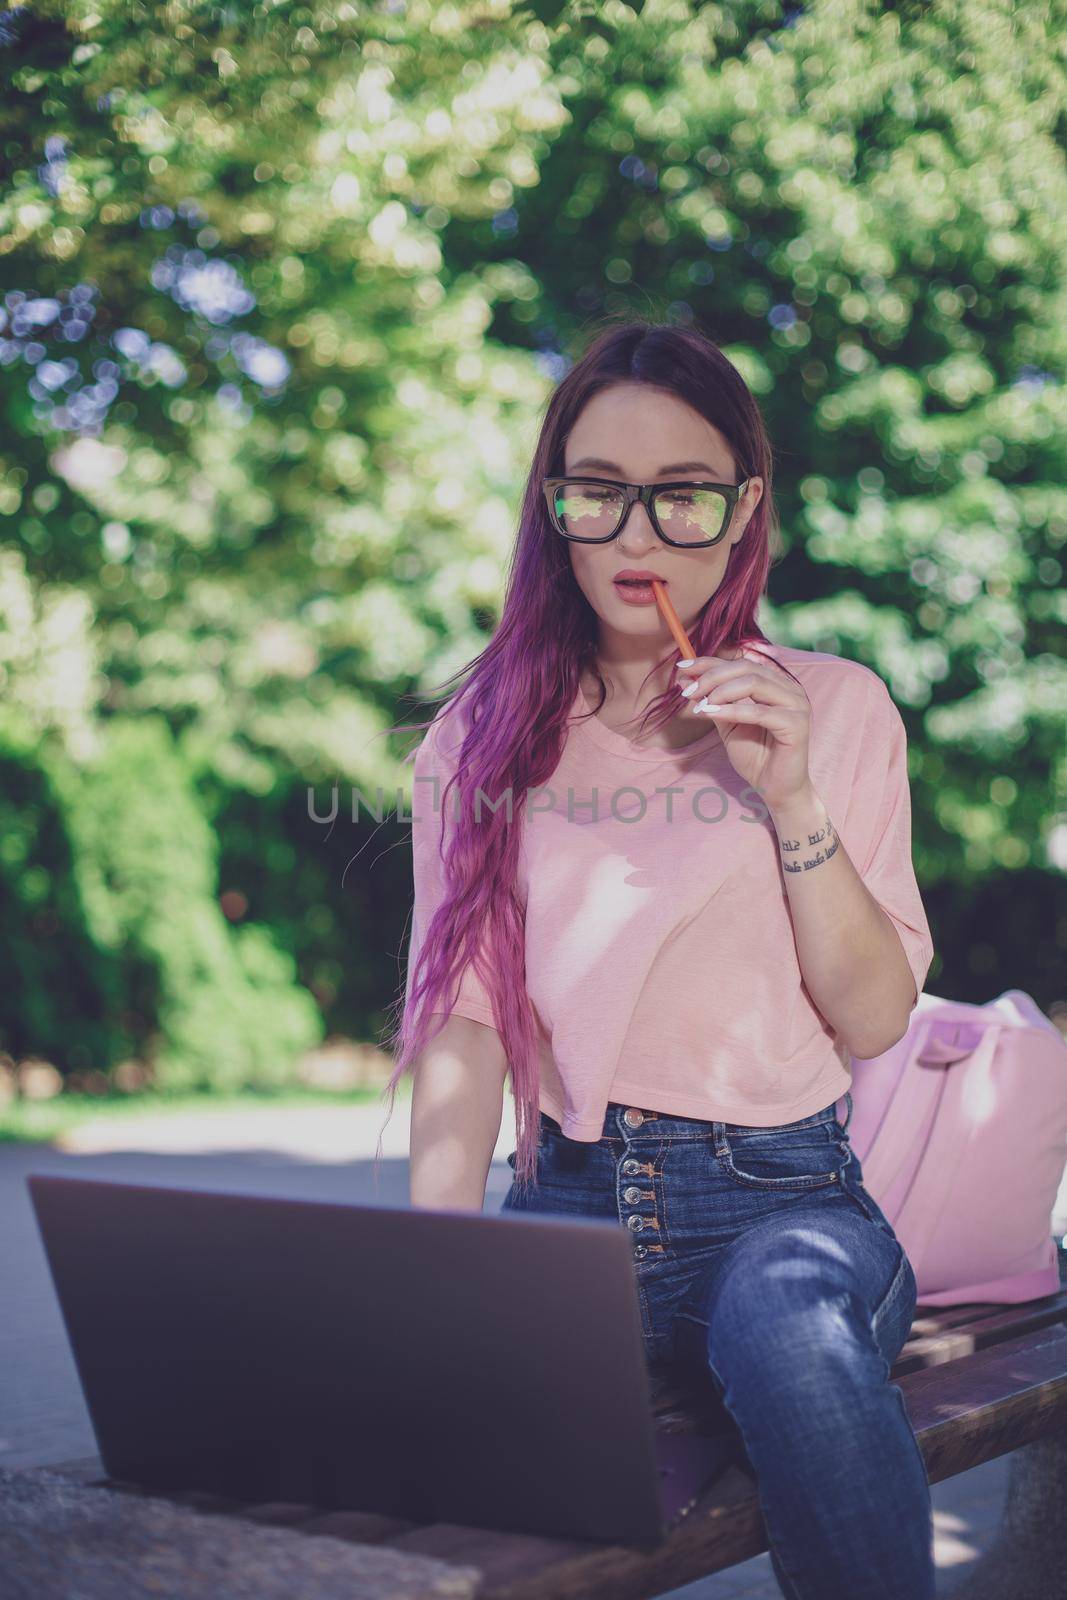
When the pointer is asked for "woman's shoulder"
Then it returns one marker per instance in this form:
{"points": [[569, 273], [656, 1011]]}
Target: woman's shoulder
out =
{"points": [[831, 680], [443, 739]]}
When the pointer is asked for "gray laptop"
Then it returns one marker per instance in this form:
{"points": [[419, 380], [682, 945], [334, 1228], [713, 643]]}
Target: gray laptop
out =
{"points": [[440, 1366]]}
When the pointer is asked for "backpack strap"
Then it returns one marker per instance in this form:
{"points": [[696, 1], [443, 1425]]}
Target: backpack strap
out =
{"points": [[949, 1039]]}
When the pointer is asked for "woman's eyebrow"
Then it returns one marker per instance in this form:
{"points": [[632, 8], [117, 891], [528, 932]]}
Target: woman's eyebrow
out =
{"points": [[612, 466]]}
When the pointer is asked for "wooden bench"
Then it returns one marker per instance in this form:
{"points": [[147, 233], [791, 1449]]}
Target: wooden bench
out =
{"points": [[978, 1381]]}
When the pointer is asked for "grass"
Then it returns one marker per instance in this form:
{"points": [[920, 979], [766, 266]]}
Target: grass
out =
{"points": [[40, 1121]]}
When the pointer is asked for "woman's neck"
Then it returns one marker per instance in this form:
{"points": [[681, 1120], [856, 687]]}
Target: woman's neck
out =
{"points": [[628, 694]]}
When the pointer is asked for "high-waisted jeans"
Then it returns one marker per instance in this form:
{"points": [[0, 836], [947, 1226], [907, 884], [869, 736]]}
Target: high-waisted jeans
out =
{"points": [[763, 1262]]}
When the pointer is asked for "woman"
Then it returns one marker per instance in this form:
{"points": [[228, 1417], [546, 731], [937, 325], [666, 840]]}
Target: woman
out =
{"points": [[673, 899]]}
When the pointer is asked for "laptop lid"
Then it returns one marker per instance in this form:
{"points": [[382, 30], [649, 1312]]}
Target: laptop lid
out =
{"points": [[435, 1365]]}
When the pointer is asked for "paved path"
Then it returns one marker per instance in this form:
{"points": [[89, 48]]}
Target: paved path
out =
{"points": [[312, 1153]]}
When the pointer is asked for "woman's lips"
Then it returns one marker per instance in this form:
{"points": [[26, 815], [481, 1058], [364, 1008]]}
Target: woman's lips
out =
{"points": [[635, 594]]}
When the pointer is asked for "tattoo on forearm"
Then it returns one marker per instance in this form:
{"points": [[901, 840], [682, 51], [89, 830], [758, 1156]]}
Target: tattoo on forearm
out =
{"points": [[797, 858]]}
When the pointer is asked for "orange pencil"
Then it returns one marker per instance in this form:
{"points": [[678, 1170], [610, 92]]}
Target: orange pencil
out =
{"points": [[673, 620]]}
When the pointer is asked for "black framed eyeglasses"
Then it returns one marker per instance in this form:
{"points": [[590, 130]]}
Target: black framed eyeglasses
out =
{"points": [[688, 515]]}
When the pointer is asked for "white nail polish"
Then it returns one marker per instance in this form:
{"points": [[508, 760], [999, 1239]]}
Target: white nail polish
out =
{"points": [[692, 689]]}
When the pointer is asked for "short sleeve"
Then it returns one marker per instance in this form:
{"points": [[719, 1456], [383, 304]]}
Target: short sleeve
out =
{"points": [[879, 829], [432, 820]]}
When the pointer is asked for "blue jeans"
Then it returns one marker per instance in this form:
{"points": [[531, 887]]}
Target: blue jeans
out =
{"points": [[762, 1263]]}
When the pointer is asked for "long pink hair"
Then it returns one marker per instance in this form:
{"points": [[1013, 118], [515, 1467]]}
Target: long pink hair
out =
{"points": [[521, 688]]}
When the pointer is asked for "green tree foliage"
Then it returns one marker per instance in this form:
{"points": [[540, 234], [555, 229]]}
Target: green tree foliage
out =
{"points": [[283, 289], [56, 971], [229, 1012], [264, 449]]}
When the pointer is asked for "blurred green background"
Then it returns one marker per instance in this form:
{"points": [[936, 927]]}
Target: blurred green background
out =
{"points": [[283, 290]]}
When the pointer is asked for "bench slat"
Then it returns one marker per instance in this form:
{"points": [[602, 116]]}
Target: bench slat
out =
{"points": [[725, 1527], [952, 1344], [967, 1412]]}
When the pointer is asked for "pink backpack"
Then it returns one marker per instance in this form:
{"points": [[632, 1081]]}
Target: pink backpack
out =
{"points": [[961, 1129]]}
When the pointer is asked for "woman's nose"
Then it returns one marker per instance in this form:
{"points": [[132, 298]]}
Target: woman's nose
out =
{"points": [[637, 528]]}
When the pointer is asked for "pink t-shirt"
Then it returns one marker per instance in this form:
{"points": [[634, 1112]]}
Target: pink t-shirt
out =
{"points": [[660, 954]]}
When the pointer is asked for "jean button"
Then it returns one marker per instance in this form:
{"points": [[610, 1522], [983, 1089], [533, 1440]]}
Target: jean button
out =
{"points": [[631, 1167], [632, 1117], [635, 1224], [631, 1194], [640, 1251]]}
